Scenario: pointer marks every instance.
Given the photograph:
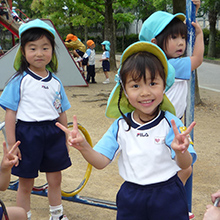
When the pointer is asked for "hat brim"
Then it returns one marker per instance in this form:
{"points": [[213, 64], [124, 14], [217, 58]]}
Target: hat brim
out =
{"points": [[18, 60], [112, 110]]}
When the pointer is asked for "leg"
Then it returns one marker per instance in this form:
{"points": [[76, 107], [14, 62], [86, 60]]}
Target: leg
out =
{"points": [[24, 192], [185, 174], [15, 213], [54, 195], [54, 188]]}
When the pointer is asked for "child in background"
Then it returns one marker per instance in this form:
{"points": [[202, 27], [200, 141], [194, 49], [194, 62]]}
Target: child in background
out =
{"points": [[147, 137], [169, 32], [34, 100], [78, 48], [89, 58], [105, 60], [8, 161]]}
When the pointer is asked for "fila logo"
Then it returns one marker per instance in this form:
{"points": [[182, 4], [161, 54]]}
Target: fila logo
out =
{"points": [[45, 87], [142, 135]]}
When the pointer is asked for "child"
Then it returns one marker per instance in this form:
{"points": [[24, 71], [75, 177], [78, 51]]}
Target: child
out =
{"points": [[151, 148], [105, 60], [34, 99], [73, 42], [89, 58], [8, 161], [169, 32]]}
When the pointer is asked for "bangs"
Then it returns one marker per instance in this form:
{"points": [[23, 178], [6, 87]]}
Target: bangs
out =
{"points": [[34, 34], [178, 27], [137, 64]]}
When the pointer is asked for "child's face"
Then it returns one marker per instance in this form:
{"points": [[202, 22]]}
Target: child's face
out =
{"points": [[38, 54], [92, 46], [175, 46], [145, 96], [103, 47]]}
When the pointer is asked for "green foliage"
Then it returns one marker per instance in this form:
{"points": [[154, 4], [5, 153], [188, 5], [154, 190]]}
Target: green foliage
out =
{"points": [[128, 40], [217, 42]]}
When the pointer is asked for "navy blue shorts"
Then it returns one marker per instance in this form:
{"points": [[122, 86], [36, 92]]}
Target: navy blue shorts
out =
{"points": [[43, 148], [106, 65], [80, 52], [165, 200], [1, 213]]}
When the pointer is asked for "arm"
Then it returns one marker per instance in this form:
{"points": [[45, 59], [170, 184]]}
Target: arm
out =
{"points": [[8, 161], [10, 119], [76, 140], [180, 145], [198, 51]]}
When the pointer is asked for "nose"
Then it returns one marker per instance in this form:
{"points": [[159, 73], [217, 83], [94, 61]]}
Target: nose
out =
{"points": [[39, 52], [181, 41], [145, 91]]}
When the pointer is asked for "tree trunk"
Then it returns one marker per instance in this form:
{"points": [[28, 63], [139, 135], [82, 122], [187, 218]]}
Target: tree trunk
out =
{"points": [[109, 32], [212, 32], [179, 6], [85, 34]]}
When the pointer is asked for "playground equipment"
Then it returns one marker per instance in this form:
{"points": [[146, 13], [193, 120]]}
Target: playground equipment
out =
{"points": [[68, 71], [189, 114]]}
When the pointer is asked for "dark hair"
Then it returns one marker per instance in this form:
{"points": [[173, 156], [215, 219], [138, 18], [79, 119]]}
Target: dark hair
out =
{"points": [[34, 34], [136, 66], [176, 26]]}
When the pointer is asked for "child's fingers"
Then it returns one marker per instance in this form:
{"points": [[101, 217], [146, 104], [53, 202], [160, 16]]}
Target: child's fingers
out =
{"points": [[62, 127], [75, 125], [189, 129], [14, 147], [5, 151], [175, 130]]}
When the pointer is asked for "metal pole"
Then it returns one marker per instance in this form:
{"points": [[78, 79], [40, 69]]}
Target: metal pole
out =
{"points": [[189, 114]]}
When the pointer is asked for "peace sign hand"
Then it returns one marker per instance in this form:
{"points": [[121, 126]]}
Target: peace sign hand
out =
{"points": [[181, 141], [9, 158], [75, 138]]}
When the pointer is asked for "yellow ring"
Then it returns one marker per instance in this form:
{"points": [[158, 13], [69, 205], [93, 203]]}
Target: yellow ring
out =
{"points": [[89, 166]]}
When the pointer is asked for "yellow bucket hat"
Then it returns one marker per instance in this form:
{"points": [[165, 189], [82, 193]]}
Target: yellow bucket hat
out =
{"points": [[36, 23], [112, 110]]}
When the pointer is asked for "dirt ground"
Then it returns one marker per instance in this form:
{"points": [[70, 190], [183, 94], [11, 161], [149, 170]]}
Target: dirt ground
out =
{"points": [[89, 103]]}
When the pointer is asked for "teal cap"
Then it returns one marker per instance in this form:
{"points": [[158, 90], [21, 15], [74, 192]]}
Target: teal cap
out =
{"points": [[107, 45], [36, 23], [156, 23]]}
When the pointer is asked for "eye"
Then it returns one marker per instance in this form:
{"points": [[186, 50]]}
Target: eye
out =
{"points": [[135, 86], [152, 83]]}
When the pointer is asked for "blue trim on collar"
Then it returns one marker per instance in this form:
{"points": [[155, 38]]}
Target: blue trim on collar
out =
{"points": [[47, 79], [148, 125]]}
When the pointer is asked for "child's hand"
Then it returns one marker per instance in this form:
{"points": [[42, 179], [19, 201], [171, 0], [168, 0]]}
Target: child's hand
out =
{"points": [[197, 4], [216, 195], [198, 29], [75, 138], [181, 140], [9, 157]]}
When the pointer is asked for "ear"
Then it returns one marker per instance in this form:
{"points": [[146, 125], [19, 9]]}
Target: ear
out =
{"points": [[154, 40]]}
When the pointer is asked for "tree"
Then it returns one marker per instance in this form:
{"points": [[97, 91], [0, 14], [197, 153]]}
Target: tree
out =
{"points": [[212, 9]]}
